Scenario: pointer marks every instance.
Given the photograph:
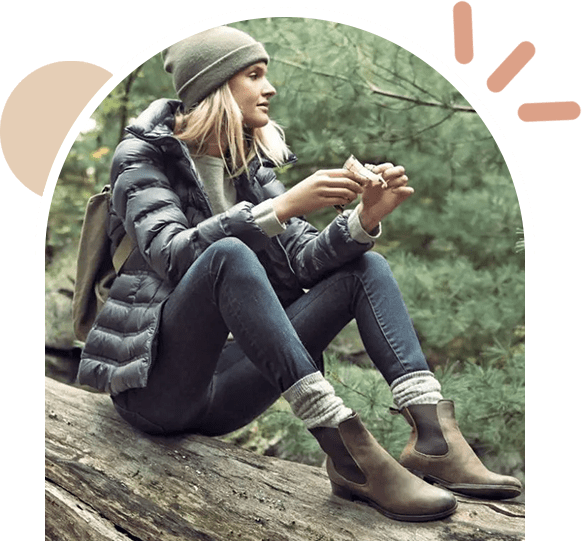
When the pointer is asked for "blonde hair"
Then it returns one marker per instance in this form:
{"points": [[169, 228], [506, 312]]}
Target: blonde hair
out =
{"points": [[218, 115]]}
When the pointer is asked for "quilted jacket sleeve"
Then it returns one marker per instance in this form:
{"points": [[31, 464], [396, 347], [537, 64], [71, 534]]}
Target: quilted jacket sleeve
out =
{"points": [[152, 214], [313, 254]]}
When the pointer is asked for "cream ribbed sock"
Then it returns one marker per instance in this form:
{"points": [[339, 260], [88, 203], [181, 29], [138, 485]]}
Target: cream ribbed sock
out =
{"points": [[314, 401], [419, 387]]}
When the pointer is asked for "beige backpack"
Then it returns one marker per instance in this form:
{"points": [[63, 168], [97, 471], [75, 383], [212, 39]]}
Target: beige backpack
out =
{"points": [[96, 269]]}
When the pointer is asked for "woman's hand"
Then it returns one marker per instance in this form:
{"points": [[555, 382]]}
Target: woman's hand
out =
{"points": [[324, 188], [377, 202]]}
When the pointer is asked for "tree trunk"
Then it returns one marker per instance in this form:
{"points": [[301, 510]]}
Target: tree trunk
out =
{"points": [[107, 481]]}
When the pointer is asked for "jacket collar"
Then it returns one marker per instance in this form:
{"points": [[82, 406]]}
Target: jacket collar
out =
{"points": [[156, 121]]}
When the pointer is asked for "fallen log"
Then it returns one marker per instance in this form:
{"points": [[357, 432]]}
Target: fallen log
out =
{"points": [[106, 481]]}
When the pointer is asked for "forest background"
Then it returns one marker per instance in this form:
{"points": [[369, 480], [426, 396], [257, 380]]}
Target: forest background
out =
{"points": [[456, 247]]}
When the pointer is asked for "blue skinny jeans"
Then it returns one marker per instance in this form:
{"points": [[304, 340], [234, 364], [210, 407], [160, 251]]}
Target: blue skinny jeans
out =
{"points": [[204, 384]]}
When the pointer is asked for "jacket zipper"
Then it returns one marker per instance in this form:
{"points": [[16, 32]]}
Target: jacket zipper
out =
{"points": [[286, 255]]}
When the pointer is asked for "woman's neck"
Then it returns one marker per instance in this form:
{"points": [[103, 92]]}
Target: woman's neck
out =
{"points": [[213, 149], [213, 146]]}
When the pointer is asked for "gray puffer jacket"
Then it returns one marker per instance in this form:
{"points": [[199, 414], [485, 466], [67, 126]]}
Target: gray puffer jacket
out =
{"points": [[160, 201]]}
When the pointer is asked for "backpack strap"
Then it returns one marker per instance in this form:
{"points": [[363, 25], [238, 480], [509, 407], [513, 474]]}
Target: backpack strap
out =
{"points": [[124, 249]]}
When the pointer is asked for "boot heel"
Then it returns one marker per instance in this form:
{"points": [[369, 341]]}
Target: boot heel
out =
{"points": [[340, 491]]}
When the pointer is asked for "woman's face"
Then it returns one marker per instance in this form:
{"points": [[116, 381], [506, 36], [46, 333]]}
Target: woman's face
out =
{"points": [[252, 92]]}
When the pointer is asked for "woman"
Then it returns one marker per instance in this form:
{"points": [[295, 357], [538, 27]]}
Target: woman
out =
{"points": [[221, 249]]}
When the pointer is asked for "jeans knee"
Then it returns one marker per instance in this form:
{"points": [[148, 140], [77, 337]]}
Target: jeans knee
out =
{"points": [[374, 258], [232, 251], [371, 262], [232, 254], [229, 246]]}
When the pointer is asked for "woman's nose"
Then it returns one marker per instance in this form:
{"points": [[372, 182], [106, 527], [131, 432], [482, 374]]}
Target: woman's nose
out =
{"points": [[269, 89]]}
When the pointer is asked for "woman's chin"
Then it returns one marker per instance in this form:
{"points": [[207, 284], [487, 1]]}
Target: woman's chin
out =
{"points": [[257, 122]]}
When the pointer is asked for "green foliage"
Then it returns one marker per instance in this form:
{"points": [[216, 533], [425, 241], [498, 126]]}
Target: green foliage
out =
{"points": [[59, 279], [459, 310], [489, 404], [453, 246], [478, 223], [489, 401]]}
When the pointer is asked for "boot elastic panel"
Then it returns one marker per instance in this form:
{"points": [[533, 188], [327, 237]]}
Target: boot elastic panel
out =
{"points": [[424, 419], [332, 444]]}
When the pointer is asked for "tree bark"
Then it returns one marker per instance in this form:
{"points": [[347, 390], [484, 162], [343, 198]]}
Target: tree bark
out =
{"points": [[106, 481]]}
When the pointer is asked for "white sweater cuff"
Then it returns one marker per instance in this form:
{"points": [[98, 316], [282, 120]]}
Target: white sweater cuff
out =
{"points": [[266, 218], [357, 232]]}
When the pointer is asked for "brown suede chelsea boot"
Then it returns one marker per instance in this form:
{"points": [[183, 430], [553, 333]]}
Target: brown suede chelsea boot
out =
{"points": [[360, 469], [438, 453]]}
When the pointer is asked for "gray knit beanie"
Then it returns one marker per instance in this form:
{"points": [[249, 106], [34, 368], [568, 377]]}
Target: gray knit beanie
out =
{"points": [[202, 63]]}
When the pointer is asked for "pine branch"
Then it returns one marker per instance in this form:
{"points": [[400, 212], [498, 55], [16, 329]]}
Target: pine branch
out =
{"points": [[376, 90]]}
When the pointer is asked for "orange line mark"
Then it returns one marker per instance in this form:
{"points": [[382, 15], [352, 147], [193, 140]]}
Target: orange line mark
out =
{"points": [[512, 65], [556, 111], [463, 29]]}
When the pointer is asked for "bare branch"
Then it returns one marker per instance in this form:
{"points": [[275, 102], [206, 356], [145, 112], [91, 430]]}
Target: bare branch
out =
{"points": [[417, 101], [375, 65]]}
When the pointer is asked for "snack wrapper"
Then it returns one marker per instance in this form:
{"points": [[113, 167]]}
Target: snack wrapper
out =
{"points": [[353, 165]]}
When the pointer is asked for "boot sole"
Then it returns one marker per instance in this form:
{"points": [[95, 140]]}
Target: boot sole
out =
{"points": [[480, 491], [346, 493]]}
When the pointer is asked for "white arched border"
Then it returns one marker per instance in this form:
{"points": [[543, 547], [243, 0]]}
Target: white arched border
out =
{"points": [[258, 13]]}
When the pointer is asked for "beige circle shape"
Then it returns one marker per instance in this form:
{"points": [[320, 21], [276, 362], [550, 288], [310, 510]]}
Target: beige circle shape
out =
{"points": [[40, 112]]}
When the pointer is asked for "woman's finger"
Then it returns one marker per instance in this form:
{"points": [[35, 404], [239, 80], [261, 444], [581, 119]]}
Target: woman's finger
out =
{"points": [[345, 182], [363, 177], [398, 182], [378, 169], [393, 173], [340, 197], [360, 179], [402, 190], [343, 192]]}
